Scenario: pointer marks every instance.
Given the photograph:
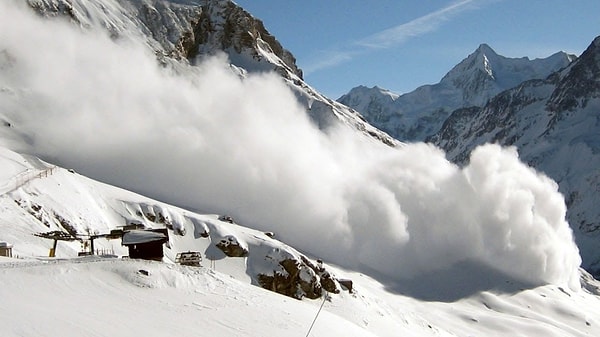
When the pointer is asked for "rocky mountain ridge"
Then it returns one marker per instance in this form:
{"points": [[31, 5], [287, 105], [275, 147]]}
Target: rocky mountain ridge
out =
{"points": [[187, 30]]}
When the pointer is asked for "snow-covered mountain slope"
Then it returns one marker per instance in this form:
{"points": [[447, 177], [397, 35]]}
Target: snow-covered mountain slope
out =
{"points": [[106, 295], [554, 124], [482, 75], [194, 29], [40, 198]]}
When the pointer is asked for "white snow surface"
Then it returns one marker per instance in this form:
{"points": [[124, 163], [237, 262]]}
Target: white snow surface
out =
{"points": [[110, 296]]}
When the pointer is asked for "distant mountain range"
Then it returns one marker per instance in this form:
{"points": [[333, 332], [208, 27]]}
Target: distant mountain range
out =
{"points": [[418, 114], [548, 108]]}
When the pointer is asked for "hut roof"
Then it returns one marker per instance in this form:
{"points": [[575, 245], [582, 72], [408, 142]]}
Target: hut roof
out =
{"points": [[5, 245], [139, 236]]}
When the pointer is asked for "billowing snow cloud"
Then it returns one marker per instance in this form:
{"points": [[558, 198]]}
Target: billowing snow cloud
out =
{"points": [[203, 138]]}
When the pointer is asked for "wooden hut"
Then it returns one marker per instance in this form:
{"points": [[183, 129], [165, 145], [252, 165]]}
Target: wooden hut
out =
{"points": [[145, 244], [5, 249]]}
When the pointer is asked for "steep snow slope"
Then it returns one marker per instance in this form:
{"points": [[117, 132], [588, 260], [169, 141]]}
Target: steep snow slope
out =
{"points": [[483, 74], [106, 295], [554, 124], [41, 198]]}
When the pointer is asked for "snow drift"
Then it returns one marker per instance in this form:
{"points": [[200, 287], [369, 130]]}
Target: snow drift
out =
{"points": [[205, 138]]}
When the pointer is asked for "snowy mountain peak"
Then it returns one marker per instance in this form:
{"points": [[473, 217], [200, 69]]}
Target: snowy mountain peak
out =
{"points": [[481, 59], [386, 92], [374, 92], [478, 65], [375, 100], [484, 48], [484, 73]]}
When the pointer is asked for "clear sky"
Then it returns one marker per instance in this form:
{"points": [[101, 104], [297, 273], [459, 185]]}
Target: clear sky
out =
{"points": [[400, 45]]}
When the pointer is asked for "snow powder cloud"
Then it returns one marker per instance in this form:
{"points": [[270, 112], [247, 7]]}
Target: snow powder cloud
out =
{"points": [[203, 138]]}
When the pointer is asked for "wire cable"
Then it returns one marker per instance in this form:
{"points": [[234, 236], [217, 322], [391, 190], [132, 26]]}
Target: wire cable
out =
{"points": [[318, 312]]}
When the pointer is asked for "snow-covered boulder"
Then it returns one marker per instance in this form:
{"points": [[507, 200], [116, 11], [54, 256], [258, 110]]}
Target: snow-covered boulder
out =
{"points": [[232, 247]]}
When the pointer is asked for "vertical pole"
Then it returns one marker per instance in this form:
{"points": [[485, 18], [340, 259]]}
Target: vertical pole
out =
{"points": [[53, 249], [92, 244]]}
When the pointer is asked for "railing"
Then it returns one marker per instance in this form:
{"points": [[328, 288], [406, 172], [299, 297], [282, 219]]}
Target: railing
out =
{"points": [[24, 177]]}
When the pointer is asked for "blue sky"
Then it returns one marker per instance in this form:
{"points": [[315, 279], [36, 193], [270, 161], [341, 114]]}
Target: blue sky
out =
{"points": [[400, 45]]}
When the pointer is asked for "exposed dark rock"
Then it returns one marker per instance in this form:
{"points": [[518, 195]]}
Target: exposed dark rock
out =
{"points": [[298, 277], [328, 283], [580, 84], [296, 280], [346, 283], [179, 231], [228, 26], [150, 216], [231, 247], [54, 8], [66, 224], [134, 224], [226, 218]]}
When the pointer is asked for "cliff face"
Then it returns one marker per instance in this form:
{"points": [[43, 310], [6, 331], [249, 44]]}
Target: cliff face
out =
{"points": [[182, 29], [224, 26]]}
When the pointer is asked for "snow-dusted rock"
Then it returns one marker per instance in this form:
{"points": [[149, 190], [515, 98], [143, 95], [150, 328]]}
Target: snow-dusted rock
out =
{"points": [[296, 276], [232, 247]]}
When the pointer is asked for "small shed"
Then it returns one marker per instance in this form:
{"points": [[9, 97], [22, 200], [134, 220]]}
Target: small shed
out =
{"points": [[145, 244], [189, 259], [6, 249]]}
